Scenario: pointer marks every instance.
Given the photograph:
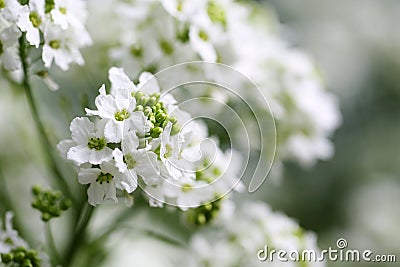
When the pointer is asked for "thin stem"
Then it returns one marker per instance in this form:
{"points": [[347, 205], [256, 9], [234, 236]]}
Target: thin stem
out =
{"points": [[52, 246], [79, 236], [49, 155]]}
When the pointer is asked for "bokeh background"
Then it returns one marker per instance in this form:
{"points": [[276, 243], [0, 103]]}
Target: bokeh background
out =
{"points": [[355, 195]]}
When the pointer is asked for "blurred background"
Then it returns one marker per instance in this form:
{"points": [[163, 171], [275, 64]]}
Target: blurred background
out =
{"points": [[355, 195]]}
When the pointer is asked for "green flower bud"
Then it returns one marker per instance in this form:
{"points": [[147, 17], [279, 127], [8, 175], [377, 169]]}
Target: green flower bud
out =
{"points": [[65, 204], [46, 217], [19, 256], [142, 101], [175, 129], [160, 117], [156, 131], [36, 190], [173, 119], [204, 214], [152, 119], [147, 111], [7, 257], [31, 254], [27, 263], [152, 101], [139, 108], [137, 95]]}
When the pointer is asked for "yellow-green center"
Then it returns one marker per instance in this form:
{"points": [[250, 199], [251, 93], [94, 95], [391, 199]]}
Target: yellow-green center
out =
{"points": [[35, 18], [55, 44], [122, 115], [187, 188], [130, 161], [166, 47], [136, 50], [203, 35], [168, 151], [104, 178], [216, 13], [63, 10], [97, 143]]}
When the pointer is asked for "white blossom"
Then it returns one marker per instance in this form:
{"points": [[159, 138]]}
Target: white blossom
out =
{"points": [[31, 21], [9, 237], [88, 142]]}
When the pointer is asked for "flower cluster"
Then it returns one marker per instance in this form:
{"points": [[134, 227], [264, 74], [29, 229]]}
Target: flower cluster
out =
{"points": [[157, 34], [55, 25], [239, 233], [138, 136], [14, 251]]}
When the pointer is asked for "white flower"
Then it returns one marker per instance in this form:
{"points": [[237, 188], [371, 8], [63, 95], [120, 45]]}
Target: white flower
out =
{"points": [[242, 233], [119, 111], [11, 10], [170, 152], [183, 10], [31, 20], [118, 108], [8, 50], [137, 161], [69, 13], [120, 81], [200, 40], [9, 237], [187, 192], [59, 46], [88, 143], [102, 183]]}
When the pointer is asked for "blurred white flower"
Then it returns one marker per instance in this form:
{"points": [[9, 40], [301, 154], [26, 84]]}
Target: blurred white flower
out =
{"points": [[236, 237], [8, 50], [31, 20], [156, 34], [9, 238]]}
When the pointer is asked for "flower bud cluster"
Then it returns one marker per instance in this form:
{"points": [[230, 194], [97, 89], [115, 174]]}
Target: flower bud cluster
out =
{"points": [[14, 251], [49, 203], [21, 257]]}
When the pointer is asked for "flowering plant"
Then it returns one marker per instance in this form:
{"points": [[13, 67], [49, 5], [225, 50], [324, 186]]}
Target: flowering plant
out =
{"points": [[198, 93]]}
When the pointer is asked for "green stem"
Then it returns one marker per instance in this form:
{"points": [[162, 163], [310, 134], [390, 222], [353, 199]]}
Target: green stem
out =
{"points": [[49, 155], [55, 260], [79, 237]]}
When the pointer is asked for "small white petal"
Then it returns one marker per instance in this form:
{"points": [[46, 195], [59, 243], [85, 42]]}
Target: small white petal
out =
{"points": [[95, 193], [106, 105], [113, 131], [64, 145], [79, 154], [87, 176], [148, 83], [81, 128], [99, 156]]}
